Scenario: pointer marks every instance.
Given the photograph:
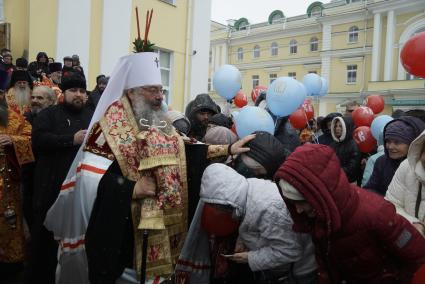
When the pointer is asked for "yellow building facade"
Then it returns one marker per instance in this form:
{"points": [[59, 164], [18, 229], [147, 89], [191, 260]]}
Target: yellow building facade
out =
{"points": [[101, 31], [354, 44]]}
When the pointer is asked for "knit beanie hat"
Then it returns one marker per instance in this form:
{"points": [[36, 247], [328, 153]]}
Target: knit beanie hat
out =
{"points": [[268, 151], [220, 135], [400, 131]]}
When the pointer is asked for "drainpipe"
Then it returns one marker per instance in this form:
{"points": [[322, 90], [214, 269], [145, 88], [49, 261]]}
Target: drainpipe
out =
{"points": [[364, 49], [186, 92]]}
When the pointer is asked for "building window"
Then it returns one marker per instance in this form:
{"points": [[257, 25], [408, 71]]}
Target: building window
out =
{"points": [[293, 46], [353, 34], [256, 51], [272, 77], [274, 49], [313, 71], [209, 85], [240, 54], [292, 75], [316, 11], [314, 44], [210, 56], [351, 74], [255, 81], [165, 59]]}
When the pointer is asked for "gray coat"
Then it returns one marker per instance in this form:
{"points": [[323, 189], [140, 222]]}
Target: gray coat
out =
{"points": [[266, 225]]}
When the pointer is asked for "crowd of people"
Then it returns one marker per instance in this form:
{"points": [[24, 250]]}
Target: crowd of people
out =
{"points": [[107, 186]]}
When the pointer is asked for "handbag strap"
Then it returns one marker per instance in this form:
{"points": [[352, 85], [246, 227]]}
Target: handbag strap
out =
{"points": [[418, 200]]}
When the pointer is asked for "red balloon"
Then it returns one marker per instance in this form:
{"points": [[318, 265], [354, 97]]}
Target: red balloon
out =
{"points": [[298, 118], [363, 116], [363, 137], [256, 92], [376, 103], [419, 277], [309, 109], [240, 99], [413, 55]]}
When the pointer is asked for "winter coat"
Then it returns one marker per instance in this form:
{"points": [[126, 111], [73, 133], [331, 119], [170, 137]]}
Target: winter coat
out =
{"points": [[52, 141], [371, 163], [266, 226], [404, 187], [326, 137], [358, 235], [346, 149], [385, 167], [286, 134], [36, 68]]}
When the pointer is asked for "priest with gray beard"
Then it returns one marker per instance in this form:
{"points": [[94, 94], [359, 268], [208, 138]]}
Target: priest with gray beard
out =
{"points": [[18, 97], [129, 177]]}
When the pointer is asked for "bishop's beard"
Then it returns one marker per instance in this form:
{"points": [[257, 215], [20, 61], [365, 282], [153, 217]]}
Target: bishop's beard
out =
{"points": [[22, 96], [144, 111]]}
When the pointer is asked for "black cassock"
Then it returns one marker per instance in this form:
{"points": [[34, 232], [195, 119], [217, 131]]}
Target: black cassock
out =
{"points": [[109, 236]]}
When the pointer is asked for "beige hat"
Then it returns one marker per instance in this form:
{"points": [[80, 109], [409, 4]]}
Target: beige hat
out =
{"points": [[289, 191]]}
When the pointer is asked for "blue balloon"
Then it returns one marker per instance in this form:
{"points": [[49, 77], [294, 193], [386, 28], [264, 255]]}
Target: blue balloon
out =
{"points": [[324, 89], [313, 84], [251, 119], [378, 125], [284, 96], [227, 81]]}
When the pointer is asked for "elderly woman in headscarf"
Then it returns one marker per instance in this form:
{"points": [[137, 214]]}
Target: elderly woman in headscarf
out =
{"points": [[252, 207], [398, 134]]}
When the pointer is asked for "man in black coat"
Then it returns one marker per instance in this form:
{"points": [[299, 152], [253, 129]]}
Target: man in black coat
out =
{"points": [[58, 132], [199, 111], [94, 96]]}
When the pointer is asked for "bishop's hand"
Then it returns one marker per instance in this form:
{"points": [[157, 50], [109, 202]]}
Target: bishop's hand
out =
{"points": [[144, 187], [238, 146], [5, 140]]}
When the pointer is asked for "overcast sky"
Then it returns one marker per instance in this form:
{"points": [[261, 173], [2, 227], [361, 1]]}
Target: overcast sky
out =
{"points": [[257, 11]]}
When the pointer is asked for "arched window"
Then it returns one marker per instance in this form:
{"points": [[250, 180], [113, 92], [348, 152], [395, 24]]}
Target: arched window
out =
{"points": [[241, 24], [353, 34], [276, 17], [314, 44], [256, 51], [316, 11], [293, 46], [240, 54], [274, 49]]}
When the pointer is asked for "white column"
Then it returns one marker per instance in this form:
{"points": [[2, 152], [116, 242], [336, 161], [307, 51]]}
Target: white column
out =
{"points": [[322, 107], [389, 46], [116, 29], [377, 29], [224, 55], [1, 11], [200, 42], [217, 57], [326, 46], [73, 30]]}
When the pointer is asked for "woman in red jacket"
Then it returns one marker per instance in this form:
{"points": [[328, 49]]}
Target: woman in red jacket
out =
{"points": [[359, 238]]}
